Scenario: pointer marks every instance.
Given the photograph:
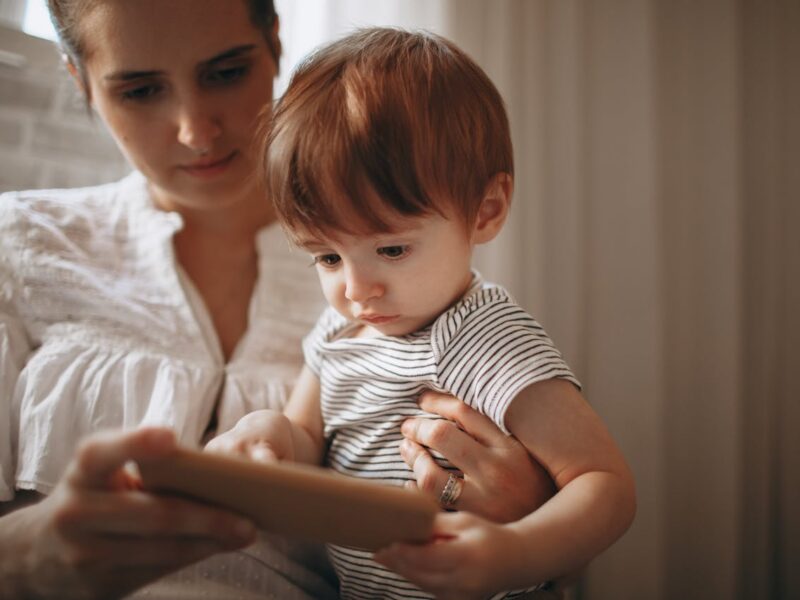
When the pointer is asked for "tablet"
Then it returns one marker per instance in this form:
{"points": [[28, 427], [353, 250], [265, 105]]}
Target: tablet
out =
{"points": [[298, 500]]}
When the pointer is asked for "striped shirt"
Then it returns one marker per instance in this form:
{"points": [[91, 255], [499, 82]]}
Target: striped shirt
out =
{"points": [[484, 349]]}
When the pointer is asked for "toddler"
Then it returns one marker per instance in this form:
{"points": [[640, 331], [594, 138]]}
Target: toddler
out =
{"points": [[389, 159]]}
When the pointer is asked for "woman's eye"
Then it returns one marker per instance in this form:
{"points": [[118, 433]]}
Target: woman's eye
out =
{"points": [[327, 260], [226, 75], [393, 251], [142, 93]]}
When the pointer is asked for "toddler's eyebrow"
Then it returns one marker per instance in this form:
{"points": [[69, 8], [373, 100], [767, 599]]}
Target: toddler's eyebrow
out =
{"points": [[308, 244]]}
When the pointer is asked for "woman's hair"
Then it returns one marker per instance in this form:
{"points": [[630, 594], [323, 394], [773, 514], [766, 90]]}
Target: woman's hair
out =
{"points": [[382, 122], [67, 15]]}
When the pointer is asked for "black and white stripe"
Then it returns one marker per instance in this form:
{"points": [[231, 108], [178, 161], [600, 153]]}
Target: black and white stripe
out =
{"points": [[485, 349]]}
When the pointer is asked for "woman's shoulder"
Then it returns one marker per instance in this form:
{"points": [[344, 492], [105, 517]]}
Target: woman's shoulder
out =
{"points": [[96, 223], [62, 207]]}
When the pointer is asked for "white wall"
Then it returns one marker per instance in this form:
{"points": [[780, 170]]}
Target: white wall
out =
{"points": [[47, 138]]}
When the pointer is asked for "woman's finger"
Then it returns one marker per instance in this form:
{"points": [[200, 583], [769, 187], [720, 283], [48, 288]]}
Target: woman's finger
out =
{"points": [[141, 514], [101, 455], [445, 437], [430, 477], [477, 425], [501, 483], [132, 552]]}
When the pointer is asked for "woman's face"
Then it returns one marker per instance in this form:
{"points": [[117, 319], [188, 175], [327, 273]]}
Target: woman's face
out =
{"points": [[180, 84]]}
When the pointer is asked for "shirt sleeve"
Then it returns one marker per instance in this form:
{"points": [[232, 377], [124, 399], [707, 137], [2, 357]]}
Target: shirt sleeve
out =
{"points": [[14, 350], [491, 351], [327, 324]]}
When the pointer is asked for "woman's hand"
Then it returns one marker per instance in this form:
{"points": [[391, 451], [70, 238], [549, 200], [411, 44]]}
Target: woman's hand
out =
{"points": [[469, 558], [501, 480], [98, 535], [262, 435]]}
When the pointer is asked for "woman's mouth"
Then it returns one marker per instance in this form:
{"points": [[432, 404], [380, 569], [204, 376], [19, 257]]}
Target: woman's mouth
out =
{"points": [[207, 168]]}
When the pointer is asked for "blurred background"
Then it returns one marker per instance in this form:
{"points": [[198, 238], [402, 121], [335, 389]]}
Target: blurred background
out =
{"points": [[655, 233]]}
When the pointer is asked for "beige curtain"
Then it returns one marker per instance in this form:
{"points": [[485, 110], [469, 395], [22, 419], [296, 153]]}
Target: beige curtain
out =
{"points": [[656, 234]]}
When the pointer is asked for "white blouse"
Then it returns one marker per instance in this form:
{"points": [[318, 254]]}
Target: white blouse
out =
{"points": [[99, 328]]}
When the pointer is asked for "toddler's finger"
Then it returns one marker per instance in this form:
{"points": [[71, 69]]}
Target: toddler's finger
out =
{"points": [[262, 452]]}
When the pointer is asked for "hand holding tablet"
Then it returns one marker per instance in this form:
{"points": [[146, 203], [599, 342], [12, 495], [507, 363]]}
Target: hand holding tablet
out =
{"points": [[298, 500]]}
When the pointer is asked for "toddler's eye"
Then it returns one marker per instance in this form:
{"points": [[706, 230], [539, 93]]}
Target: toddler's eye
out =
{"points": [[327, 260], [393, 251]]}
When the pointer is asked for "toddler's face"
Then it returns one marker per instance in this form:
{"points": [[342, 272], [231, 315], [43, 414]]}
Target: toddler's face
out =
{"points": [[395, 283]]}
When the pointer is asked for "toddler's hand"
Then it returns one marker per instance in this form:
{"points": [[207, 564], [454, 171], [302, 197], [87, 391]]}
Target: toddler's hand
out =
{"points": [[469, 558], [262, 435]]}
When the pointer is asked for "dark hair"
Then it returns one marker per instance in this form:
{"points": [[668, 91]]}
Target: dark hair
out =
{"points": [[67, 15], [383, 119]]}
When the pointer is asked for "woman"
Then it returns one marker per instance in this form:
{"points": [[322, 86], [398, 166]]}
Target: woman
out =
{"points": [[169, 299]]}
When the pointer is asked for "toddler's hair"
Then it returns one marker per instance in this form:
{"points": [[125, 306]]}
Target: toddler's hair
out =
{"points": [[380, 123]]}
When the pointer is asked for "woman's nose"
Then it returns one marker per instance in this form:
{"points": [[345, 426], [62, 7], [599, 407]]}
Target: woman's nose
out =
{"points": [[198, 129], [361, 287]]}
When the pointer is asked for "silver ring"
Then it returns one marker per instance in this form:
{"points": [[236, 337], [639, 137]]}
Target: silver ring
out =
{"points": [[451, 492]]}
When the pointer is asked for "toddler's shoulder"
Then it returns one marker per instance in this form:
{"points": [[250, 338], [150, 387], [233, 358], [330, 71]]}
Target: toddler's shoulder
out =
{"points": [[485, 314], [329, 324]]}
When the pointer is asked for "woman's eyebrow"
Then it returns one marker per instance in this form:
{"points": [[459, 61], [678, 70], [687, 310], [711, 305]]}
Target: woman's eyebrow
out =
{"points": [[234, 52], [225, 55], [129, 75]]}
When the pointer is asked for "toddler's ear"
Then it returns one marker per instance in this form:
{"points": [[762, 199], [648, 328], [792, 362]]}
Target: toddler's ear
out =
{"points": [[494, 208]]}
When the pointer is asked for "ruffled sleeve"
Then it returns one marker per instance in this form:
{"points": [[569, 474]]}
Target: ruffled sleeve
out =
{"points": [[328, 325], [14, 349], [70, 389], [95, 332]]}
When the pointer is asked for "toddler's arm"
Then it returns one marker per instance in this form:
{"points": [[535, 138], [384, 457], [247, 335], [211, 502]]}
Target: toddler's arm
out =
{"points": [[594, 506], [596, 499], [296, 434]]}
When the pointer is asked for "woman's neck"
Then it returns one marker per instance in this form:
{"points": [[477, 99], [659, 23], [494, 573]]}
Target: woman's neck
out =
{"points": [[217, 250], [235, 221]]}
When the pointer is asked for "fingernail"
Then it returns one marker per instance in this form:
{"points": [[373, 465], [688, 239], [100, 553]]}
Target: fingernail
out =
{"points": [[244, 529], [259, 453], [405, 428]]}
